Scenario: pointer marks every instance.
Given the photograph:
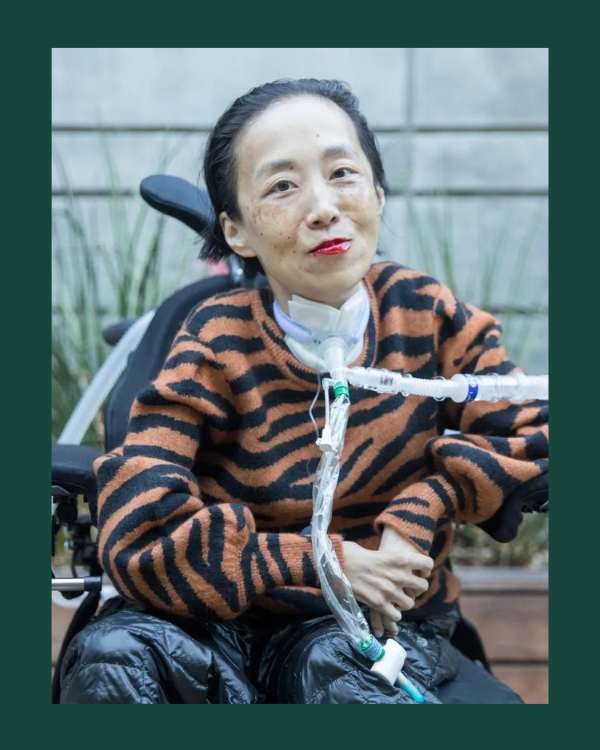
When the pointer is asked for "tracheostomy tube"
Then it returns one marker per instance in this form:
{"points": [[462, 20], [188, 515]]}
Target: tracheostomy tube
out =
{"points": [[516, 387]]}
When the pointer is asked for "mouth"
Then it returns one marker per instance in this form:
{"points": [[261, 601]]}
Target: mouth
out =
{"points": [[337, 246]]}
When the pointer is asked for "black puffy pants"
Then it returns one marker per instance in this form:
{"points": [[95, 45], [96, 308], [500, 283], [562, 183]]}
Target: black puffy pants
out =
{"points": [[130, 655]]}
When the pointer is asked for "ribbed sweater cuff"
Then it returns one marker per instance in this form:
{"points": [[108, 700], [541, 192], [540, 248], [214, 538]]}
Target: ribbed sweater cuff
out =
{"points": [[415, 512], [298, 554]]}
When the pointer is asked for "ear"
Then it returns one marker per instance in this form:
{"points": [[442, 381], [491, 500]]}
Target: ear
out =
{"points": [[380, 198], [234, 236]]}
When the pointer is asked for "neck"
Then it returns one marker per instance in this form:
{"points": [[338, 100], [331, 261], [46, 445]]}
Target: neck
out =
{"points": [[336, 301], [309, 323]]}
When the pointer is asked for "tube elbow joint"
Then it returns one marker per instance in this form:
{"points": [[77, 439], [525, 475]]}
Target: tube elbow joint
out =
{"points": [[333, 352]]}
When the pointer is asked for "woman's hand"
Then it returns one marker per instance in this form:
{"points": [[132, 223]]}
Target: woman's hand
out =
{"points": [[392, 543], [379, 577]]}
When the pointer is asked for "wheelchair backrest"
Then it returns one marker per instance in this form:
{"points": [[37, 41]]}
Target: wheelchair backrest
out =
{"points": [[145, 362]]}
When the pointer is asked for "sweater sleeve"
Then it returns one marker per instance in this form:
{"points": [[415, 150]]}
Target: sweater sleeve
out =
{"points": [[501, 448], [159, 542]]}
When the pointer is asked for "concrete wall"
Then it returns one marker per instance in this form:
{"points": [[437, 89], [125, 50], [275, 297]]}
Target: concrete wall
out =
{"points": [[463, 132]]}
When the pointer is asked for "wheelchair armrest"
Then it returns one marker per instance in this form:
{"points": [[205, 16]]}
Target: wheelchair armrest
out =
{"points": [[73, 471], [531, 497]]}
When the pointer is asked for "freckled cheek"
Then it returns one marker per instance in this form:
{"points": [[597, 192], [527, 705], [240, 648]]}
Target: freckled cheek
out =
{"points": [[362, 206], [358, 195], [275, 225]]}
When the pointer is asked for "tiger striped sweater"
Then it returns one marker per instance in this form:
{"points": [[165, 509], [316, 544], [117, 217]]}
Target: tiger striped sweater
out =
{"points": [[202, 510]]}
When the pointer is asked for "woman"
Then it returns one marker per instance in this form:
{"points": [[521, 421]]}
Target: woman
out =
{"points": [[204, 512]]}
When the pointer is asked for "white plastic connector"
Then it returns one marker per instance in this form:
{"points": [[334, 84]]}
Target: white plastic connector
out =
{"points": [[325, 442], [333, 352], [393, 660]]}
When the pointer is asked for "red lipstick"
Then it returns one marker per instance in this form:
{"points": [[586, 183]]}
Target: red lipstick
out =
{"points": [[332, 247]]}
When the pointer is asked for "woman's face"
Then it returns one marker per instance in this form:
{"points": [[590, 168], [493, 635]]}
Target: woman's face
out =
{"points": [[303, 179]]}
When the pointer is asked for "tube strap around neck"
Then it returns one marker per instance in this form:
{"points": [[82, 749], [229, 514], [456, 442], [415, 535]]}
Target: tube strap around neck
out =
{"points": [[305, 335]]}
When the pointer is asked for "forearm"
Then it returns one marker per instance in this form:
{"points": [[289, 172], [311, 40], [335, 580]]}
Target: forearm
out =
{"points": [[499, 447], [162, 546], [469, 479]]}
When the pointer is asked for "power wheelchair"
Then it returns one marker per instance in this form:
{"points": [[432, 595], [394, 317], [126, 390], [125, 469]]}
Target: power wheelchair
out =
{"points": [[72, 464]]}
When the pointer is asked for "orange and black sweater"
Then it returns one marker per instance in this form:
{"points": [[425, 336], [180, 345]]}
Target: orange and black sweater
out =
{"points": [[201, 511]]}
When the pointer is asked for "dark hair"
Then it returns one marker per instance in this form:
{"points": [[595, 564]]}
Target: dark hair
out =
{"points": [[220, 168]]}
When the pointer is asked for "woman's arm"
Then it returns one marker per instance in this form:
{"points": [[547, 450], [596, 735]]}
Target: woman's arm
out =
{"points": [[501, 448], [159, 542]]}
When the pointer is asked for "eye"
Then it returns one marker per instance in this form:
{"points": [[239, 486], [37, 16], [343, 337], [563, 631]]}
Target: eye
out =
{"points": [[342, 172], [282, 186]]}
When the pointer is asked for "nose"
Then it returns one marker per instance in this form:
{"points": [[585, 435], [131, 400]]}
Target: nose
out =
{"points": [[323, 209]]}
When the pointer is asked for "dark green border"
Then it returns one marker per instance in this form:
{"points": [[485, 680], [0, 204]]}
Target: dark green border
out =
{"points": [[27, 269], [27, 349]]}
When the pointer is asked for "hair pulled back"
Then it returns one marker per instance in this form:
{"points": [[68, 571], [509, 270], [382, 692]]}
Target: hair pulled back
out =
{"points": [[220, 168]]}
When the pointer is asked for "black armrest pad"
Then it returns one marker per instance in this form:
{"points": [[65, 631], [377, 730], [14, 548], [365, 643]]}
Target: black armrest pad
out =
{"points": [[72, 469], [531, 496]]}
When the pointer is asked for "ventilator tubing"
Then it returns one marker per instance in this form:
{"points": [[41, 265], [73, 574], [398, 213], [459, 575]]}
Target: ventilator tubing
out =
{"points": [[334, 584], [336, 588], [515, 387]]}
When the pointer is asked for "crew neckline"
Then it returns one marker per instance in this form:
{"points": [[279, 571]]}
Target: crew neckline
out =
{"points": [[273, 335]]}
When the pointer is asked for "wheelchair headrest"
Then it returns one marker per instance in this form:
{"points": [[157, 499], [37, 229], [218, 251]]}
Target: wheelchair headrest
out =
{"points": [[178, 198]]}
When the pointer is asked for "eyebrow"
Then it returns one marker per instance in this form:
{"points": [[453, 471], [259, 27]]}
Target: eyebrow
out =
{"points": [[328, 153]]}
